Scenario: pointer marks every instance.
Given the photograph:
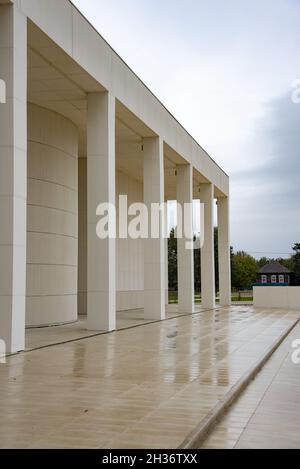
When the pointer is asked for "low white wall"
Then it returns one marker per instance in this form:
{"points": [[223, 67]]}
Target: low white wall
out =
{"points": [[277, 297]]}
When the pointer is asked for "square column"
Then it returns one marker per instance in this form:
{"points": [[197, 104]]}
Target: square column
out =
{"points": [[101, 176], [185, 251], [13, 177], [207, 250], [154, 248], [224, 251]]}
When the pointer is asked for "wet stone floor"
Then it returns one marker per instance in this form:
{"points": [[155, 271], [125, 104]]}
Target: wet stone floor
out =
{"points": [[267, 414], [144, 387]]}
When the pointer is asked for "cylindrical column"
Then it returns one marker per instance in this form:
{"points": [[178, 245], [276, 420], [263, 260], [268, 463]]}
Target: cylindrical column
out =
{"points": [[52, 218], [185, 252], [13, 177], [207, 250], [224, 251], [154, 248], [101, 174]]}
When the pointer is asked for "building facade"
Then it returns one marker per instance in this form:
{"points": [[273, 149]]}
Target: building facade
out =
{"points": [[274, 273], [78, 129]]}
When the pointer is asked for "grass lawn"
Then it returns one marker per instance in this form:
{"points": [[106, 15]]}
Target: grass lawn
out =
{"points": [[173, 298]]}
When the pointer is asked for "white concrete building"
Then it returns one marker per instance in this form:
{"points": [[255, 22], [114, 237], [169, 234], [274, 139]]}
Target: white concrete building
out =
{"points": [[79, 128]]}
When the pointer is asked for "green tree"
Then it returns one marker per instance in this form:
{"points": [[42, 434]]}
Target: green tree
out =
{"points": [[197, 269], [172, 260], [197, 264], [288, 263], [244, 270], [216, 258], [296, 262], [262, 261]]}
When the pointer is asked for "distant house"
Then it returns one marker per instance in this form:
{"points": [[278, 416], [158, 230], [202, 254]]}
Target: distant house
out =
{"points": [[274, 273]]}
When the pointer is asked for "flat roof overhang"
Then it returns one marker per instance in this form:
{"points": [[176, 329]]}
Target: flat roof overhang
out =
{"points": [[67, 58]]}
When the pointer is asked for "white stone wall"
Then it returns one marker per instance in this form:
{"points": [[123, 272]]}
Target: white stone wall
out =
{"points": [[129, 253], [52, 218]]}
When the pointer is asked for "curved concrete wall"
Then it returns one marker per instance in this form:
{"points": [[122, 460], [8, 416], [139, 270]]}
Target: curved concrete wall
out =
{"points": [[52, 218]]}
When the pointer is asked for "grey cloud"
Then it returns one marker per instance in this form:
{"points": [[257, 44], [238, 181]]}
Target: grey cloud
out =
{"points": [[266, 198], [278, 138]]}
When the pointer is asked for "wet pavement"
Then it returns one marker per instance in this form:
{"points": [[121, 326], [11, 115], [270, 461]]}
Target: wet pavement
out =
{"points": [[145, 387], [267, 415]]}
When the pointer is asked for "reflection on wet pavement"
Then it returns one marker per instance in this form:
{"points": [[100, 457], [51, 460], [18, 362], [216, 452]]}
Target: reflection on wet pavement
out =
{"points": [[267, 414], [43, 336], [143, 387]]}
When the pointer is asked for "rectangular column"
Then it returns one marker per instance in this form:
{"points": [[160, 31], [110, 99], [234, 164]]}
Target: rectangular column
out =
{"points": [[224, 251], [185, 252], [207, 251], [154, 248], [13, 177], [101, 175]]}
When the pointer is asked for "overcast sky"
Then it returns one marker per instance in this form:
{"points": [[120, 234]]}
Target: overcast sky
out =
{"points": [[224, 69]]}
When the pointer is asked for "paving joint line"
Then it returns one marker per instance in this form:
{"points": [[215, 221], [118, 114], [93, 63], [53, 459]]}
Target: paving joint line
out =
{"points": [[125, 328]]}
